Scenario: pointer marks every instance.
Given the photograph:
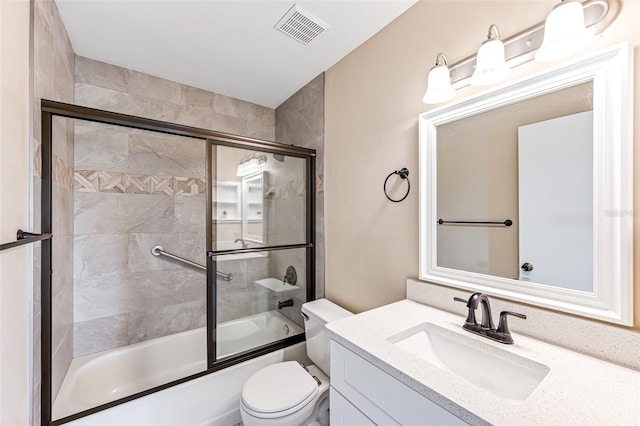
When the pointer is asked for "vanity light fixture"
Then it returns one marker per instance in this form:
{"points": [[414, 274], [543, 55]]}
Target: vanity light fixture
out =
{"points": [[564, 32], [490, 64], [439, 87], [522, 47], [251, 165]]}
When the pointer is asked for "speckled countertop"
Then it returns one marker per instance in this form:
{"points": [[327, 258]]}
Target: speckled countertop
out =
{"points": [[578, 389]]}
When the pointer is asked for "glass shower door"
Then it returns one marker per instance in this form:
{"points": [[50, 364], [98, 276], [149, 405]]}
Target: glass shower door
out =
{"points": [[260, 248]]}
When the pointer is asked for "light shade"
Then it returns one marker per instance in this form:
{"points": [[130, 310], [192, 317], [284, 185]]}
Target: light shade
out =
{"points": [[564, 32], [250, 166], [490, 63], [439, 87]]}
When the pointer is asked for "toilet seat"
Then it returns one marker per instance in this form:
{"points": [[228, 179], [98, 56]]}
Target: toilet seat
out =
{"points": [[295, 389]]}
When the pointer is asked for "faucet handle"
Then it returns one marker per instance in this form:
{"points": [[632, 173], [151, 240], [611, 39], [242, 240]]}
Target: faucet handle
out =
{"points": [[503, 327], [471, 315]]}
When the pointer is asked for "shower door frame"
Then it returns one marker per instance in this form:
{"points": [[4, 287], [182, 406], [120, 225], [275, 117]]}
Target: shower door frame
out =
{"points": [[51, 109]]}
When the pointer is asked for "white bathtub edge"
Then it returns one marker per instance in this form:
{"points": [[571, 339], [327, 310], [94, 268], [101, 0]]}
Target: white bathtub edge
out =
{"points": [[211, 400]]}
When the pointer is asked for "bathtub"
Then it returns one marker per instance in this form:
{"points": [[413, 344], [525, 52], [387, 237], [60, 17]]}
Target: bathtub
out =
{"points": [[99, 378]]}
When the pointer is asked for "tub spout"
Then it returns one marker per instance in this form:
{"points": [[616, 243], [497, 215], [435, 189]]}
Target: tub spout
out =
{"points": [[288, 302]]}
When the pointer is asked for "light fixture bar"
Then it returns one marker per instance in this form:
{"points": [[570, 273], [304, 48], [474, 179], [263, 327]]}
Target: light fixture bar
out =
{"points": [[521, 48]]}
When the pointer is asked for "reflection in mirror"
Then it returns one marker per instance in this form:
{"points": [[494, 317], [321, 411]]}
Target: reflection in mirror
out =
{"points": [[258, 198], [528, 162], [545, 165], [253, 203]]}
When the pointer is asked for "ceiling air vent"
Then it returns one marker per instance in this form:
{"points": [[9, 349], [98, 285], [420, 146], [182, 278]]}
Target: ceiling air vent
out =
{"points": [[301, 25]]}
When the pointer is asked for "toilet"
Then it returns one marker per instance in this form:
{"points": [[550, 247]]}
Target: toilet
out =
{"points": [[289, 393]]}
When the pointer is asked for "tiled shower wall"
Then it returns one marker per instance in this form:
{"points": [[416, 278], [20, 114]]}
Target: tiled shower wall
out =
{"points": [[53, 78], [132, 192], [300, 122]]}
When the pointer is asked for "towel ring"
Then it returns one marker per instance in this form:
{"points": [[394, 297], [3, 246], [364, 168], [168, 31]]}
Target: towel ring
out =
{"points": [[404, 174]]}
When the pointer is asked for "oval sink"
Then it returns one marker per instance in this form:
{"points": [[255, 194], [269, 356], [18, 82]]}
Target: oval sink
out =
{"points": [[503, 373]]}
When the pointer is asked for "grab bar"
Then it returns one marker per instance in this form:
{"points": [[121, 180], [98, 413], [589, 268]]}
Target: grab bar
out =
{"points": [[159, 251], [24, 237]]}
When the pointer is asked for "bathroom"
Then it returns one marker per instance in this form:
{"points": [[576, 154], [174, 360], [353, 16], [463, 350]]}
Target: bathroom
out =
{"points": [[360, 115]]}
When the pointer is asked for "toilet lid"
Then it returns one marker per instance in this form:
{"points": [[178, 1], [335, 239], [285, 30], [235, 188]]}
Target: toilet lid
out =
{"points": [[278, 387]]}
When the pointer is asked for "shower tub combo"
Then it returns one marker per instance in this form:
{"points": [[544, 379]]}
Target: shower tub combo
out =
{"points": [[180, 188], [106, 376]]}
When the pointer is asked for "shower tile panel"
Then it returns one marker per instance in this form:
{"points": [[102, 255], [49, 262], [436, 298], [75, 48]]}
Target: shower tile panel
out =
{"points": [[100, 335], [62, 172], [188, 186], [101, 74], [121, 330], [252, 112], [197, 97], [53, 78], [236, 306], [86, 181], [100, 147], [62, 261], [146, 85], [127, 183], [98, 255], [149, 184], [107, 213], [166, 320], [62, 359], [189, 245], [140, 164], [300, 121], [113, 182], [37, 158], [190, 213], [62, 315], [149, 153], [62, 217], [260, 130], [135, 292]]}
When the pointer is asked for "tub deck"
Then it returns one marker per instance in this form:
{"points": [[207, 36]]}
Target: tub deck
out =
{"points": [[102, 377]]}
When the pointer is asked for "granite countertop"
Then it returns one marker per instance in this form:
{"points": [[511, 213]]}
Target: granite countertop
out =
{"points": [[577, 390]]}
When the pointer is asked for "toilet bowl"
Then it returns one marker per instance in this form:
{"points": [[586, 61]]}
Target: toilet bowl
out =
{"points": [[289, 393], [286, 394]]}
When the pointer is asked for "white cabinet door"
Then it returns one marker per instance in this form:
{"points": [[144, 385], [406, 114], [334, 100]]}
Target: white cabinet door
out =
{"points": [[382, 398], [343, 413]]}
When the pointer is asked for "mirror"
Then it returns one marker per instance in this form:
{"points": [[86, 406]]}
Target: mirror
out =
{"points": [[526, 190], [253, 215]]}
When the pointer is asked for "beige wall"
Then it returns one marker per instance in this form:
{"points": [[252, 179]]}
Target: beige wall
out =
{"points": [[14, 212], [372, 101]]}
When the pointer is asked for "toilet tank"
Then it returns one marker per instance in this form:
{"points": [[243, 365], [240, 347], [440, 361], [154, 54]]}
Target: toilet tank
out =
{"points": [[316, 315]]}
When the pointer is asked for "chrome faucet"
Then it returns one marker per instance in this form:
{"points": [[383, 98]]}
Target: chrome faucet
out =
{"points": [[244, 243], [486, 328]]}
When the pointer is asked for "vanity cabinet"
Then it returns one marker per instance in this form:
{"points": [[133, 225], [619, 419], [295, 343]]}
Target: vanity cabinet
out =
{"points": [[363, 394]]}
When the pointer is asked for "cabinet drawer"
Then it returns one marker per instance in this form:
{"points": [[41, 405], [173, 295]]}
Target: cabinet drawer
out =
{"points": [[382, 398], [343, 413]]}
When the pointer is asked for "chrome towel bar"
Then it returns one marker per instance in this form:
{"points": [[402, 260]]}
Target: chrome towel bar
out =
{"points": [[159, 251]]}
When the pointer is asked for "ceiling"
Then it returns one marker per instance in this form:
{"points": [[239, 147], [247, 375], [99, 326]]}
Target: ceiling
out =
{"points": [[224, 46]]}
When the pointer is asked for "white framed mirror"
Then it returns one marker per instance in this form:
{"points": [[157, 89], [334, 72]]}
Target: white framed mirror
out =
{"points": [[253, 214], [526, 190]]}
